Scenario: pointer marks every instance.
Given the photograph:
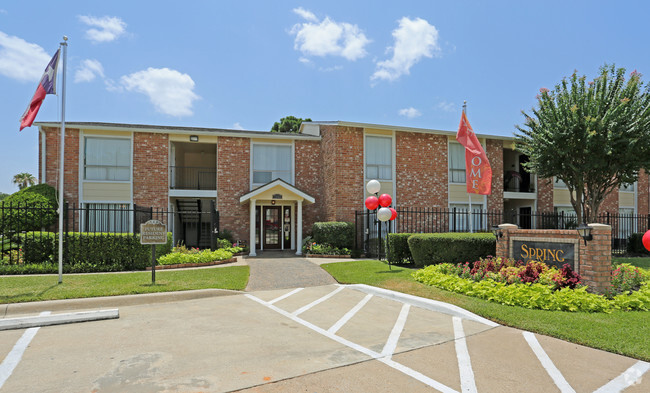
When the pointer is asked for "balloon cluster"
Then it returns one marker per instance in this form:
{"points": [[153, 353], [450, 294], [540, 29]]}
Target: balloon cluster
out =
{"points": [[385, 213]]}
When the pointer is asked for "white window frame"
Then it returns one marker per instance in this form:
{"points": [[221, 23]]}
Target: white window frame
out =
{"points": [[85, 206], [450, 169], [461, 221], [83, 165], [254, 185], [392, 159]]}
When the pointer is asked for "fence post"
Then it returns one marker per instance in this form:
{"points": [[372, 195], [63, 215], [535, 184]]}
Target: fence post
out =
{"points": [[213, 220], [135, 218]]}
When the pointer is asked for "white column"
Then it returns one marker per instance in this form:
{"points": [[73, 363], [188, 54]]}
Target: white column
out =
{"points": [[251, 241], [299, 229]]}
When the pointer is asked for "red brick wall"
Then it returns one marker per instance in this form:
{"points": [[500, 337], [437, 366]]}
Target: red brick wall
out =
{"points": [[642, 193], [233, 181], [309, 179], [421, 170], [71, 162], [342, 155], [544, 195], [150, 170], [494, 151], [610, 203]]}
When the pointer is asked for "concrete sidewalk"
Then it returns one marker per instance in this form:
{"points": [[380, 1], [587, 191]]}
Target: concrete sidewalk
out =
{"points": [[279, 270]]}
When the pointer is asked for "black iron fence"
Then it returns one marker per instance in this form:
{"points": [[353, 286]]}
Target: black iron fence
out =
{"points": [[194, 228], [370, 234]]}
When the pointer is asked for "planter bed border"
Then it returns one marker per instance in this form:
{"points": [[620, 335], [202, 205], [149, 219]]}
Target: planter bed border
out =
{"points": [[326, 256], [184, 265]]}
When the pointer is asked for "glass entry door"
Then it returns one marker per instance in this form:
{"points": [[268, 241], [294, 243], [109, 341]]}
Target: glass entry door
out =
{"points": [[272, 230]]}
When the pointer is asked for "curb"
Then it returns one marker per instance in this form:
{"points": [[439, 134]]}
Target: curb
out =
{"points": [[7, 310], [59, 319]]}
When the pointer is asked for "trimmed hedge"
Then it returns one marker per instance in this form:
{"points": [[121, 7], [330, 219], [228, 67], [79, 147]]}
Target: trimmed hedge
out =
{"points": [[336, 234], [433, 248], [635, 244], [86, 253], [398, 248]]}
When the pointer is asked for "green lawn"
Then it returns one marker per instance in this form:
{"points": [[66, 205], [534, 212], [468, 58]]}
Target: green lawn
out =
{"points": [[643, 262], [37, 288], [620, 332]]}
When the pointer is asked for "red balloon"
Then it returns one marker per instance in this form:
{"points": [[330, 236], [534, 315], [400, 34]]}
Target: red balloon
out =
{"points": [[372, 202], [646, 240], [385, 200], [393, 214]]}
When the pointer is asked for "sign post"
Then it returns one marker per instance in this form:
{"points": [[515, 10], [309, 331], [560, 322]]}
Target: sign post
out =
{"points": [[153, 232]]}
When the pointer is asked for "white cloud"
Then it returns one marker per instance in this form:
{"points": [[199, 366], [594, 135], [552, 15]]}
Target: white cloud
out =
{"points": [[89, 69], [304, 60], [2, 11], [414, 39], [328, 38], [411, 112], [330, 69], [237, 126], [307, 15], [171, 92], [22, 60], [104, 29], [446, 106]]}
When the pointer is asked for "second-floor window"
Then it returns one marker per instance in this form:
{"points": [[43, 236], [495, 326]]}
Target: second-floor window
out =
{"points": [[107, 159], [379, 158], [272, 162], [456, 163]]}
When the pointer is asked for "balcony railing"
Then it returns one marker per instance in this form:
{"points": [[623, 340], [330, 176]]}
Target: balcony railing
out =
{"points": [[517, 184], [192, 178]]}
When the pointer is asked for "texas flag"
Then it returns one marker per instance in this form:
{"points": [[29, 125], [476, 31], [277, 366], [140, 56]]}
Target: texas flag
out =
{"points": [[46, 86], [478, 173]]}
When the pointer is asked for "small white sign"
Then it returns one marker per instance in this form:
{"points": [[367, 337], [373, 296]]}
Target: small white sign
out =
{"points": [[153, 232]]}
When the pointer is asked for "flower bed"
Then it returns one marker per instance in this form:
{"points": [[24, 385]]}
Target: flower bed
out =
{"points": [[183, 256], [537, 286]]}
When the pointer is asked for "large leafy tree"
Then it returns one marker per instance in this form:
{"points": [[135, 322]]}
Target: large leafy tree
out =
{"points": [[24, 180], [594, 136], [288, 124]]}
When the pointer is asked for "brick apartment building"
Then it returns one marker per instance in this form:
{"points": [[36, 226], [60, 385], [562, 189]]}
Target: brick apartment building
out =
{"points": [[269, 188]]}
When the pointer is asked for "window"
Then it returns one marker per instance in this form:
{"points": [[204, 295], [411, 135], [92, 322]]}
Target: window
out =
{"points": [[107, 159], [272, 162], [379, 158], [565, 218], [559, 183], [626, 223], [456, 163], [459, 217], [107, 217]]}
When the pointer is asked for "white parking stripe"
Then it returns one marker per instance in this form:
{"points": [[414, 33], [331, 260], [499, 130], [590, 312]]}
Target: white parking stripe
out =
{"points": [[628, 378], [286, 295], [13, 358], [391, 344], [552, 371], [467, 382], [317, 301], [397, 366], [339, 324]]}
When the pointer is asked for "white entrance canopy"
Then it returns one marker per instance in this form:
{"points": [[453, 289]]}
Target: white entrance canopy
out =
{"points": [[277, 189]]}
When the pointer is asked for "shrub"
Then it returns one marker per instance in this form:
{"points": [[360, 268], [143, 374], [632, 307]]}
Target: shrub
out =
{"points": [[181, 255], [87, 252], [432, 248], [398, 248], [625, 278], [227, 235], [635, 245], [326, 249], [336, 234]]}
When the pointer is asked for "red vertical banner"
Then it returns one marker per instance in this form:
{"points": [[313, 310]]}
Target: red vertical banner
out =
{"points": [[478, 173]]}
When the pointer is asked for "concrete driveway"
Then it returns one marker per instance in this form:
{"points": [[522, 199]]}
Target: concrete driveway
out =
{"points": [[329, 338]]}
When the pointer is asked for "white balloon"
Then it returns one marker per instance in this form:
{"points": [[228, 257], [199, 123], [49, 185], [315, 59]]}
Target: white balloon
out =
{"points": [[384, 214], [373, 186]]}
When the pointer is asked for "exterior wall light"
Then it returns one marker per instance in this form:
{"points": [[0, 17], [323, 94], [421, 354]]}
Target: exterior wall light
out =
{"points": [[194, 138], [584, 231], [497, 232]]}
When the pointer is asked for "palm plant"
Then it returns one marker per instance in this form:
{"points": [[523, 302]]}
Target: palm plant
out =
{"points": [[24, 180]]}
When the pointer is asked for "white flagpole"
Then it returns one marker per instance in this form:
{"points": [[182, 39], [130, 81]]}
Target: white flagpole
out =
{"points": [[469, 194], [64, 44]]}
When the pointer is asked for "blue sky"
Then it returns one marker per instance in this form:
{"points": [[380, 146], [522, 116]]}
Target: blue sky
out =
{"points": [[246, 64]]}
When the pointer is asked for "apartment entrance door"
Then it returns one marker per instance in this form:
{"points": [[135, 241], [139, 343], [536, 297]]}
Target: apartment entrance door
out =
{"points": [[272, 227]]}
